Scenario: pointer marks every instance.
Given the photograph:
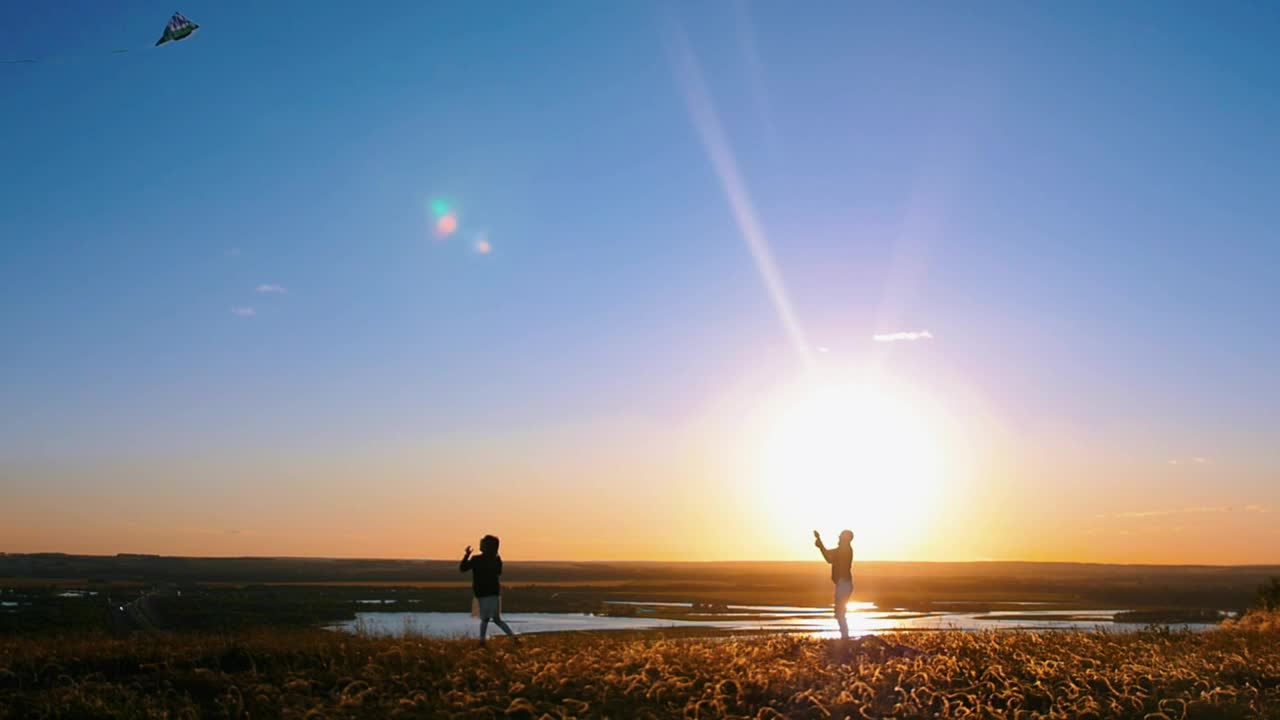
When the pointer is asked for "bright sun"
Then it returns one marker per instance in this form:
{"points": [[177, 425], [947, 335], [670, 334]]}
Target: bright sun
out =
{"points": [[864, 455]]}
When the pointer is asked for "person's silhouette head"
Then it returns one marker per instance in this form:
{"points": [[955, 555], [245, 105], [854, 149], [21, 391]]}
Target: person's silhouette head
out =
{"points": [[846, 537], [489, 544]]}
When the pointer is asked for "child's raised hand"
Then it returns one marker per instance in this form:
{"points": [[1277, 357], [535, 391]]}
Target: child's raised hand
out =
{"points": [[467, 551]]}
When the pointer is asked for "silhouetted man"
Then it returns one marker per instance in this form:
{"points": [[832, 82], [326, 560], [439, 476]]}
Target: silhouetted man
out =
{"points": [[485, 569], [841, 559]]}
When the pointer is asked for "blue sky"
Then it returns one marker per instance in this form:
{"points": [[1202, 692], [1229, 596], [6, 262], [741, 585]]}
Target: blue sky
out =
{"points": [[1079, 202]]}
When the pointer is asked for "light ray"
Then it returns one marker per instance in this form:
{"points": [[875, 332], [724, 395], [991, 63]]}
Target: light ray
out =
{"points": [[706, 121]]}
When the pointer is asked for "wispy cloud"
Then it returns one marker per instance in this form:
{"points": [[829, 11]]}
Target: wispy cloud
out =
{"points": [[219, 531], [1201, 509], [244, 311], [276, 289], [1173, 511], [903, 336]]}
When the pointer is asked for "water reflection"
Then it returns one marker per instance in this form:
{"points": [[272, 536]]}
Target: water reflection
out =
{"points": [[864, 619]]}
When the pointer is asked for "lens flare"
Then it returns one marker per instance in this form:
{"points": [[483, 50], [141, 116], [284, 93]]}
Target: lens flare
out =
{"points": [[440, 207], [446, 225], [482, 245]]}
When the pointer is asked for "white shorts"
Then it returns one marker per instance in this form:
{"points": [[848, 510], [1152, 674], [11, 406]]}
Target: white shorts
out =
{"points": [[844, 591], [490, 606]]}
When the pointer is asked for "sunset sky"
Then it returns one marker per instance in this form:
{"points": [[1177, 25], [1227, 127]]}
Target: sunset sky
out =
{"points": [[991, 281]]}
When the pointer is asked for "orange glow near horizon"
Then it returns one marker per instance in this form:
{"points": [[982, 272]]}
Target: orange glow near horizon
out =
{"points": [[745, 477]]}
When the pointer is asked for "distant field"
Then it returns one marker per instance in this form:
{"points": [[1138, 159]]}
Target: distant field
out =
{"points": [[235, 594], [908, 585], [1154, 675], [446, 584]]}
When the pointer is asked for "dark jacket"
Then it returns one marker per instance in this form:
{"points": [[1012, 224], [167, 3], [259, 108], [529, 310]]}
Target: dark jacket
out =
{"points": [[841, 559], [485, 570]]}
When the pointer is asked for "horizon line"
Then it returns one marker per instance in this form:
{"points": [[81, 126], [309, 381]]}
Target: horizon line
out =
{"points": [[649, 562]]}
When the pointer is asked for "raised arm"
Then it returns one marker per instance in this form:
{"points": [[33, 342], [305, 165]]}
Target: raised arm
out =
{"points": [[817, 542], [465, 565]]}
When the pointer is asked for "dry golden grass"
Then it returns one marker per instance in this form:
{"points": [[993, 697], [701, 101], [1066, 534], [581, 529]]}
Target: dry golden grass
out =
{"points": [[1267, 621], [1232, 673]]}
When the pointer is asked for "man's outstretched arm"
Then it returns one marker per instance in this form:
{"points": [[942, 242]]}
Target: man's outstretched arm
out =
{"points": [[465, 565], [817, 542]]}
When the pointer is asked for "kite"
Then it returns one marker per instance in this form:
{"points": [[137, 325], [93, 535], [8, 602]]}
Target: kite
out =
{"points": [[178, 28]]}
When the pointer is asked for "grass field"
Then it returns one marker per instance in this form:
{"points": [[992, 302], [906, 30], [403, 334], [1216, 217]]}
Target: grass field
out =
{"points": [[1227, 673], [249, 646]]}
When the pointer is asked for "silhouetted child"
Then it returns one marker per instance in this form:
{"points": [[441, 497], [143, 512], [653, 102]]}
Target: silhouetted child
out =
{"points": [[485, 569], [841, 559]]}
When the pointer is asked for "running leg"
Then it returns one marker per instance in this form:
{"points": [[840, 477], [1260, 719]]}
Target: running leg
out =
{"points": [[497, 620]]}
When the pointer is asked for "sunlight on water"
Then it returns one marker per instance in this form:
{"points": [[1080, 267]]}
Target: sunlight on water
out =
{"points": [[863, 618]]}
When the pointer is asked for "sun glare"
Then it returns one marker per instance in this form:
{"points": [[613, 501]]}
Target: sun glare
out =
{"points": [[867, 456]]}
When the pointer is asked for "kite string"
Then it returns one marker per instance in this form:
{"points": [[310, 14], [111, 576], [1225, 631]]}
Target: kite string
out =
{"points": [[67, 58], [61, 58]]}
